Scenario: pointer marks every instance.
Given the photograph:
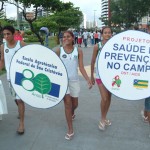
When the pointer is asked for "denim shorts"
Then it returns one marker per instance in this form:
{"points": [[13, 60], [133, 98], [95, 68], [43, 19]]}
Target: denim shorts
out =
{"points": [[147, 104]]}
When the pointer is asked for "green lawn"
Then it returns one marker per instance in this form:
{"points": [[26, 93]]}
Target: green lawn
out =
{"points": [[52, 42]]}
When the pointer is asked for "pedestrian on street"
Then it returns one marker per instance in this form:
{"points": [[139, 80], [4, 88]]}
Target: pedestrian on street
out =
{"points": [[79, 39], [91, 38], [72, 57], [85, 37], [8, 49], [96, 37], [105, 94], [60, 36]]}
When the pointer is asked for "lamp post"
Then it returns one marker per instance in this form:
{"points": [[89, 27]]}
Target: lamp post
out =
{"points": [[94, 18], [5, 10], [18, 23]]}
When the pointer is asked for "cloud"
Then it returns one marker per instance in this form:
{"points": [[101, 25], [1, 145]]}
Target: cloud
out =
{"points": [[88, 7]]}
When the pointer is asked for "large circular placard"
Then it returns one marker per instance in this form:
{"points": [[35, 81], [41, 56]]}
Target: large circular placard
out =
{"points": [[38, 76], [124, 65]]}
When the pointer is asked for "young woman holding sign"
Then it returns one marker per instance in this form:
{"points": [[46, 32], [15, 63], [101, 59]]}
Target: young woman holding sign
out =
{"points": [[8, 49], [105, 94], [72, 57]]}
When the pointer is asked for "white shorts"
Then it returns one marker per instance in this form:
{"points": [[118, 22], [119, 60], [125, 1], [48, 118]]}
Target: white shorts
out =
{"points": [[73, 88]]}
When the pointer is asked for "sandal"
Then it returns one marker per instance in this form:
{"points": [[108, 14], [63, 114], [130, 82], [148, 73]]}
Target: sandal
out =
{"points": [[107, 123], [101, 126], [145, 119], [69, 136], [73, 116], [20, 131]]}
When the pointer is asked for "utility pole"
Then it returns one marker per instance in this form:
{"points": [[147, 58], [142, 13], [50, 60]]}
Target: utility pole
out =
{"points": [[94, 19], [5, 11]]}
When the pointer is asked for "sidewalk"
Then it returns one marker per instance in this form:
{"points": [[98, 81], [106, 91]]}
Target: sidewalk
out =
{"points": [[45, 128]]}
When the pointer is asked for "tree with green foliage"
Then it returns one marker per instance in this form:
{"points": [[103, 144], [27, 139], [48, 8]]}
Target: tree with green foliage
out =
{"points": [[38, 5], [128, 12], [71, 18], [45, 22], [2, 19]]}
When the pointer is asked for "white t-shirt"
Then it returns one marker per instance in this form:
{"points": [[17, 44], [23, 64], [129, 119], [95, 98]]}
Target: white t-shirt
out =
{"points": [[91, 35], [85, 35]]}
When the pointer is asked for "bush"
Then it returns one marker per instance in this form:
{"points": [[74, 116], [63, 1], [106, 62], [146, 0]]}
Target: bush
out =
{"points": [[28, 32], [31, 38]]}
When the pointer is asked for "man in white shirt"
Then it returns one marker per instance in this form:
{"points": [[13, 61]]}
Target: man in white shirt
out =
{"points": [[85, 37]]}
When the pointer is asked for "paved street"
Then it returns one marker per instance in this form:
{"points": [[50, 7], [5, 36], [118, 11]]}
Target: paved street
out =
{"points": [[45, 129]]}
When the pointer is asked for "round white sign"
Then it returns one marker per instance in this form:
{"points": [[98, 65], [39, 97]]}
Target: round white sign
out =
{"points": [[38, 76], [124, 65]]}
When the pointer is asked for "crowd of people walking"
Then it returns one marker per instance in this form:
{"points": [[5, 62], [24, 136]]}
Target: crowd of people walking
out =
{"points": [[72, 60], [87, 37]]}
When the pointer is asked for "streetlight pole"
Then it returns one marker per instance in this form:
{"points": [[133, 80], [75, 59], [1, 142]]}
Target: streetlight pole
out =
{"points": [[94, 19], [5, 11], [18, 23]]}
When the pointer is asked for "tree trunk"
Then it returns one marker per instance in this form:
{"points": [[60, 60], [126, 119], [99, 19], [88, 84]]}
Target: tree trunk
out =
{"points": [[37, 34]]}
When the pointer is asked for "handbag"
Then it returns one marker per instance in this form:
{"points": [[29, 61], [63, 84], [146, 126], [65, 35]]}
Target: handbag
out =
{"points": [[3, 103]]}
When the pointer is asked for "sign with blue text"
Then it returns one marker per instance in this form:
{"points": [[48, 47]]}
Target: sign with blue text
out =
{"points": [[124, 65], [38, 76]]}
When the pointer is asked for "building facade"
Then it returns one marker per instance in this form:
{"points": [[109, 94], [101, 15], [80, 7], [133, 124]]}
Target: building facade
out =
{"points": [[105, 10]]}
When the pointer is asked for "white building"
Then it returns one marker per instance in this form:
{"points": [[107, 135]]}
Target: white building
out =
{"points": [[105, 13], [83, 25]]}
